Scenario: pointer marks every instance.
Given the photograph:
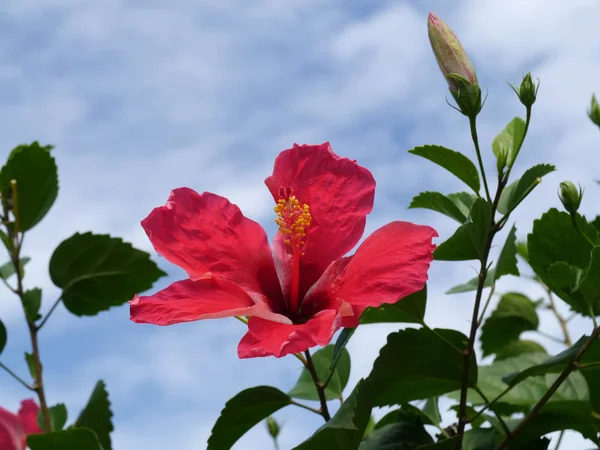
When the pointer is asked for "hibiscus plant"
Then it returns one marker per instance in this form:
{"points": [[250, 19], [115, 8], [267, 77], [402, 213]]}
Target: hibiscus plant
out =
{"points": [[305, 291]]}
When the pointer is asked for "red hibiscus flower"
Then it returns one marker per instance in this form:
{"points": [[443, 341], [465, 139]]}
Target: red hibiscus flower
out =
{"points": [[298, 294], [14, 428]]}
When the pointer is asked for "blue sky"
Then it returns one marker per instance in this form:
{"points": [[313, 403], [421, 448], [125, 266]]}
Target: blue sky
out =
{"points": [[142, 97]]}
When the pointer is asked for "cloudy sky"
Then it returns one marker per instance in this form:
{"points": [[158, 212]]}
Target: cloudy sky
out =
{"points": [[140, 97]]}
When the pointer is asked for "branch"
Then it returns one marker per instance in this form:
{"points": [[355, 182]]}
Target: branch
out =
{"points": [[310, 365], [561, 378]]}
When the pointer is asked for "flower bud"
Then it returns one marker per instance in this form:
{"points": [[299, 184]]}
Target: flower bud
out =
{"points": [[570, 196], [594, 111], [449, 53], [273, 427], [455, 66], [527, 91]]}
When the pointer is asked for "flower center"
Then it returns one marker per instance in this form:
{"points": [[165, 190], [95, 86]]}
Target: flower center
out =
{"points": [[293, 219]]}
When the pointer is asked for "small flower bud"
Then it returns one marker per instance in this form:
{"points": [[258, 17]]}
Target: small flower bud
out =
{"points": [[455, 66], [527, 91], [594, 111], [570, 196], [449, 53], [273, 427]]}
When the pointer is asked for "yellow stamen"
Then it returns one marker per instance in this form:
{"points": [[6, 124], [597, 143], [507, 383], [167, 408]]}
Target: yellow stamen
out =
{"points": [[293, 219]]}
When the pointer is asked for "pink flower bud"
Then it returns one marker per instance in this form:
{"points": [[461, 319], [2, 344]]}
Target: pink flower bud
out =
{"points": [[449, 53]]}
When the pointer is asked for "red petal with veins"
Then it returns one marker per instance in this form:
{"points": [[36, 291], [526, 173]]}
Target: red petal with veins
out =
{"points": [[206, 234], [206, 298], [389, 265], [266, 338], [339, 194]]}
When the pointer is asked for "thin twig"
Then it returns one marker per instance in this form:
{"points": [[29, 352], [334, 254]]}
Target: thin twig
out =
{"points": [[309, 408], [561, 378], [17, 377], [310, 365], [549, 336], [560, 438], [561, 320], [498, 416], [56, 303]]}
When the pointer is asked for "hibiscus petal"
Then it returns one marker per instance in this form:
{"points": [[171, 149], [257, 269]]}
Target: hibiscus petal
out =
{"points": [[339, 194], [12, 435], [205, 233], [389, 265], [266, 338], [207, 298], [28, 415]]}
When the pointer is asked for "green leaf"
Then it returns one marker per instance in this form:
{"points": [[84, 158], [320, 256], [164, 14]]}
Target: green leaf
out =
{"points": [[36, 174], [474, 419], [575, 415], [410, 309], [58, 417], [471, 285], [6, 241], [97, 272], [407, 412], [370, 427], [305, 386], [405, 434], [522, 251], [516, 348], [454, 162], [554, 364], [401, 373], [3, 336], [590, 369], [509, 140], [7, 270], [514, 314], [516, 192], [30, 364], [468, 242], [431, 410], [529, 391], [32, 301], [463, 201], [69, 439], [437, 201], [340, 345], [507, 261], [97, 415], [477, 439], [347, 427], [242, 412], [562, 258]]}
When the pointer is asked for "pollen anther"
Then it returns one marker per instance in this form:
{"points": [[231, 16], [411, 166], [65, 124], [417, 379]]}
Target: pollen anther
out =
{"points": [[293, 220]]}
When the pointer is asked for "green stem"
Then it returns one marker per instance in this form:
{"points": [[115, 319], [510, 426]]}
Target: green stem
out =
{"points": [[561, 320], [580, 231], [470, 350], [473, 127], [316, 411], [489, 404], [38, 382], [56, 303], [560, 380], [487, 303], [560, 438], [16, 377], [310, 365]]}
